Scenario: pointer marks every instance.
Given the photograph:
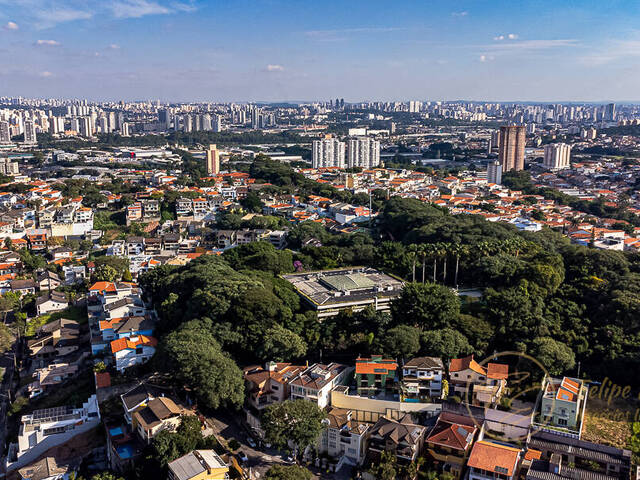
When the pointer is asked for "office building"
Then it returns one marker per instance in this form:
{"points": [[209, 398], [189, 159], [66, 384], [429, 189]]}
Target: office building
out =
{"points": [[494, 172], [5, 135], [213, 160], [86, 126], [511, 147], [328, 152], [557, 156], [206, 122], [610, 112], [30, 132], [126, 129], [164, 118], [363, 152]]}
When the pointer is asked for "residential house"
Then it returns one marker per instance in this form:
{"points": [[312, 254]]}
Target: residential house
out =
{"points": [[56, 339], [269, 385], [126, 327], [51, 302], [37, 241], [376, 375], [578, 458], [160, 414], [563, 400], [493, 461], [61, 253], [344, 437], [48, 280], [44, 429], [449, 443], [74, 274], [134, 245], [198, 465], [402, 438], [130, 351], [422, 378], [23, 287], [316, 382], [52, 374], [138, 398], [475, 383]]}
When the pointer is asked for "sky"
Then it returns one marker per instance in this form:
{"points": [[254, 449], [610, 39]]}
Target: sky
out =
{"points": [[304, 50]]}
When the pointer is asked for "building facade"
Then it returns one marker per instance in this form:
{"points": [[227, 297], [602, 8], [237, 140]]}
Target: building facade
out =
{"points": [[511, 147]]}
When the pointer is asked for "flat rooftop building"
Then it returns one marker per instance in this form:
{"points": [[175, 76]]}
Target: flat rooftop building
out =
{"points": [[330, 291]]}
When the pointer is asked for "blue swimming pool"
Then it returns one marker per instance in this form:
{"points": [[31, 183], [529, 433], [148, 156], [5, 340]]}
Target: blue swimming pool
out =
{"points": [[114, 432], [125, 451]]}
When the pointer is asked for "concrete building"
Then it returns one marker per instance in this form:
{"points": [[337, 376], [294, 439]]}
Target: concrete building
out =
{"points": [[511, 147], [422, 378], [363, 152], [330, 291], [213, 160], [563, 401], [494, 172], [344, 438], [44, 429], [30, 132], [5, 135], [329, 152], [557, 156], [316, 382]]}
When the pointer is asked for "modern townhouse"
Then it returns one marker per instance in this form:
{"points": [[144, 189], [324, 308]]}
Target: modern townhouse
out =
{"points": [[344, 438], [316, 382], [403, 438], [422, 379], [488, 382], [376, 376]]}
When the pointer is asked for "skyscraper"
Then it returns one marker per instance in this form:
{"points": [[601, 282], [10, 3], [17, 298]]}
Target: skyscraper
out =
{"points": [[328, 152], [494, 172], [557, 156], [5, 135], [363, 152], [610, 112], [213, 160], [30, 132], [511, 151]]}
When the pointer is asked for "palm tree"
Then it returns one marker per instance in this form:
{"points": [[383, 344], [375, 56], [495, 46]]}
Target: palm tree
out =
{"points": [[425, 250], [446, 248], [413, 253], [459, 251]]}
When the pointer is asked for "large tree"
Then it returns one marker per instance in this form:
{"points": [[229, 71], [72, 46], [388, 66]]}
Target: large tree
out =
{"points": [[288, 472], [427, 306], [296, 420], [401, 341], [282, 345], [445, 343], [557, 357], [194, 356]]}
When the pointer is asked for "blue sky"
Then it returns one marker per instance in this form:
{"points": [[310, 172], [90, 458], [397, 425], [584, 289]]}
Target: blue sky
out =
{"points": [[252, 50]]}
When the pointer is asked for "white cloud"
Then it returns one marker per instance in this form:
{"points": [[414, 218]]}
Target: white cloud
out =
{"points": [[46, 74], [274, 68], [483, 58], [341, 34], [11, 26], [509, 36], [50, 43], [114, 46], [460, 14], [531, 45], [486, 58], [613, 51], [137, 8]]}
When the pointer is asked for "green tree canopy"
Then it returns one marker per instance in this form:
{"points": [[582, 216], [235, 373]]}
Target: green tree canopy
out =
{"points": [[296, 420]]}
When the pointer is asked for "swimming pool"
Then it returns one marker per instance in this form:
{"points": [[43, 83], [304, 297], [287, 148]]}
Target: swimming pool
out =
{"points": [[114, 432], [125, 451]]}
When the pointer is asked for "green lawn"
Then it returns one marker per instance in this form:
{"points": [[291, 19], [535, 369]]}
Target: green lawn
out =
{"points": [[72, 313]]}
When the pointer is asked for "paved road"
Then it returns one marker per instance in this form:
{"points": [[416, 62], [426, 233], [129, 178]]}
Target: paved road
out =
{"points": [[225, 426]]}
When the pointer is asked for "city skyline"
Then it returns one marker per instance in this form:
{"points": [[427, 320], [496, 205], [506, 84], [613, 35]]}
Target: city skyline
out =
{"points": [[284, 51]]}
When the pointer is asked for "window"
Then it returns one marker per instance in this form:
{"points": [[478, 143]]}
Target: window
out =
{"points": [[562, 421]]}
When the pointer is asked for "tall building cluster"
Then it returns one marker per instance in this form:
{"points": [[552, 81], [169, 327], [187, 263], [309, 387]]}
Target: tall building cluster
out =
{"points": [[361, 152]]}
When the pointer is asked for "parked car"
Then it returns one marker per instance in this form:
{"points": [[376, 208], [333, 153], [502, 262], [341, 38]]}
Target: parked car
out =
{"points": [[243, 457], [251, 442]]}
